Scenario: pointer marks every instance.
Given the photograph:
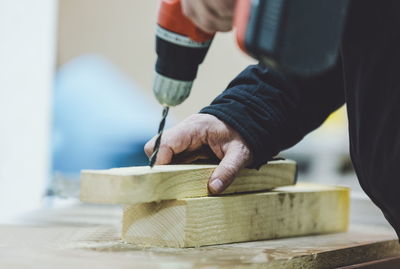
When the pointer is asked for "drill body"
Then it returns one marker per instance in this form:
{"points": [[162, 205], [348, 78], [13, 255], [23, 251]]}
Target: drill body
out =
{"points": [[181, 47], [294, 37]]}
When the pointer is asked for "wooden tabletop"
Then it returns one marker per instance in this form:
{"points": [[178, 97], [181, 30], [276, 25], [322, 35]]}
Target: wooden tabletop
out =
{"points": [[87, 236]]}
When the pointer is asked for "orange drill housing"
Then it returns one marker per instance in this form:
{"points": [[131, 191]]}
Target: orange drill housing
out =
{"points": [[170, 17]]}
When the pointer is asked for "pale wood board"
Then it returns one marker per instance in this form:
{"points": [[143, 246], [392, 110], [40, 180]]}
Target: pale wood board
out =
{"points": [[302, 209], [70, 238], [141, 184]]}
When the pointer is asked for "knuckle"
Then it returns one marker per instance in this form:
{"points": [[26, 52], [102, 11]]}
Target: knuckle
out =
{"points": [[164, 145], [177, 137], [165, 148], [245, 153], [208, 22], [226, 28], [219, 25], [241, 148]]}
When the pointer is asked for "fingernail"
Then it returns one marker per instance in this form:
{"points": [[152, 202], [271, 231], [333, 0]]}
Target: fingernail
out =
{"points": [[216, 185]]}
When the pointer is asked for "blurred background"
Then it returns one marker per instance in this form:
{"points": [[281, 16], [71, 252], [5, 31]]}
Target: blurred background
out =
{"points": [[75, 87]]}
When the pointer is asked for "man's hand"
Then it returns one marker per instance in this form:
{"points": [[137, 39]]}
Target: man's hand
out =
{"points": [[199, 131], [210, 15]]}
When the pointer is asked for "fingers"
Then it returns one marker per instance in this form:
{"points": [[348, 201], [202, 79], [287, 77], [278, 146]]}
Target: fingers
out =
{"points": [[204, 136], [172, 142], [210, 15], [165, 155], [178, 139], [236, 157]]}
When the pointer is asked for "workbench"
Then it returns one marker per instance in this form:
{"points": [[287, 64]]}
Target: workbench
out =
{"points": [[87, 236]]}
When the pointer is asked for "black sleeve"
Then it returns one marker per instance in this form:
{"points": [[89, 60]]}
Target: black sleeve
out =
{"points": [[271, 113]]}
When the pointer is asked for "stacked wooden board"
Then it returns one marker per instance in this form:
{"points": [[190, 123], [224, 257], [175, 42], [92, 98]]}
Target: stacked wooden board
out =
{"points": [[170, 205], [132, 185]]}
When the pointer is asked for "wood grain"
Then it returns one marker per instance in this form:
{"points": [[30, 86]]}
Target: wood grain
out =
{"points": [[141, 184], [72, 237], [303, 209]]}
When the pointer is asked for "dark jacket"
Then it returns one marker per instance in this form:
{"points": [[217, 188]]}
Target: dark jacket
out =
{"points": [[273, 114]]}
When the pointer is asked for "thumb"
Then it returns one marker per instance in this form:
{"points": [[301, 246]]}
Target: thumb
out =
{"points": [[236, 157]]}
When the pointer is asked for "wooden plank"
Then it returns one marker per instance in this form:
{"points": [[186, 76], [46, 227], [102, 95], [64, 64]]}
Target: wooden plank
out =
{"points": [[88, 236], [141, 184], [303, 209], [81, 247]]}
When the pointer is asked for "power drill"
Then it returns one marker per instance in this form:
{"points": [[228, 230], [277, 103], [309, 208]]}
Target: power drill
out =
{"points": [[294, 37]]}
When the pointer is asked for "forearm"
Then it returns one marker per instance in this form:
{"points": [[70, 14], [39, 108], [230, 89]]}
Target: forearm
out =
{"points": [[272, 114]]}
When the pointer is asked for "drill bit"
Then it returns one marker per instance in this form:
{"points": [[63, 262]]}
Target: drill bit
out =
{"points": [[156, 148]]}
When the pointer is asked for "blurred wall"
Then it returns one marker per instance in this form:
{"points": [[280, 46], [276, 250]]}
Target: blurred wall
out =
{"points": [[27, 41], [123, 32]]}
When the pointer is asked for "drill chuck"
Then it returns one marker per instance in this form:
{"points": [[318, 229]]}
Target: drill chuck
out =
{"points": [[171, 92], [177, 64]]}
